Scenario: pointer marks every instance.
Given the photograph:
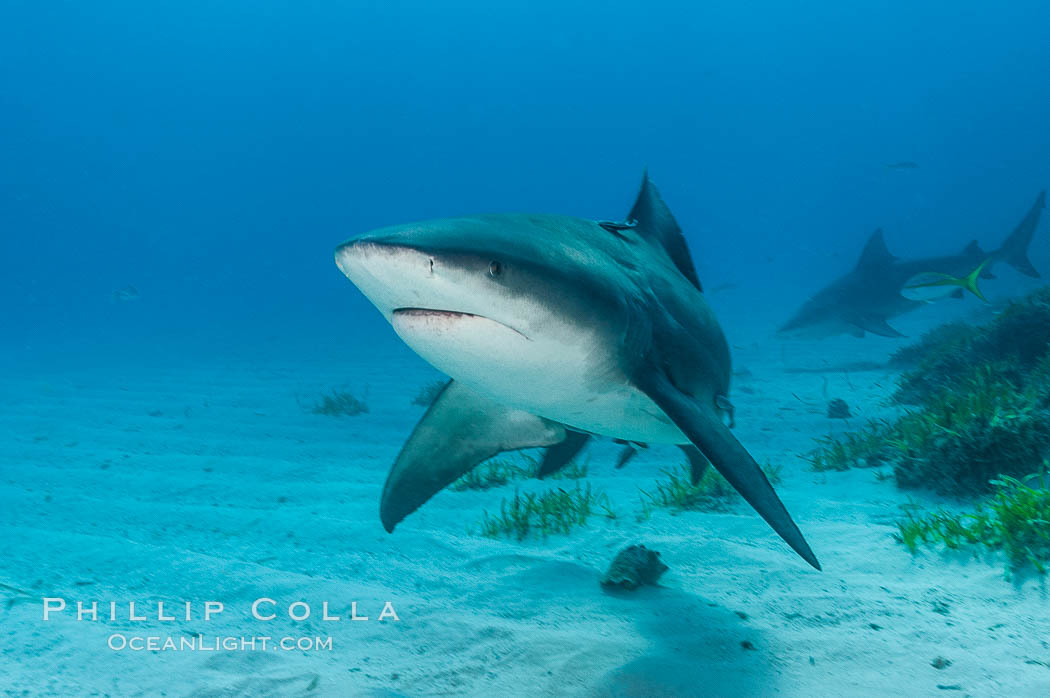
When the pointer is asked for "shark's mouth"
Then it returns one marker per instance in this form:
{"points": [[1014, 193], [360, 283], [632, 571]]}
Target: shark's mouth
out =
{"points": [[424, 312], [448, 315]]}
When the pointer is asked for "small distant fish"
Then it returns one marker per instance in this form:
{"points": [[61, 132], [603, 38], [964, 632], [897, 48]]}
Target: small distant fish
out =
{"points": [[126, 294], [728, 286], [930, 286], [903, 165]]}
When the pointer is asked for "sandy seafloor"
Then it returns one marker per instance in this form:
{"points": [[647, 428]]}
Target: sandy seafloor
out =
{"points": [[196, 474]]}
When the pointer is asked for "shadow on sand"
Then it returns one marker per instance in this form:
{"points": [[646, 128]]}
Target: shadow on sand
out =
{"points": [[697, 649]]}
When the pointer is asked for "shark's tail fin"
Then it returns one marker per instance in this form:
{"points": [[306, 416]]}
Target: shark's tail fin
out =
{"points": [[1014, 250]]}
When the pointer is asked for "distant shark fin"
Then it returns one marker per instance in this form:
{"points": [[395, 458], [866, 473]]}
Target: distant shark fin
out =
{"points": [[973, 248], [460, 430], [876, 325], [654, 222], [703, 427], [875, 255], [1014, 250]]}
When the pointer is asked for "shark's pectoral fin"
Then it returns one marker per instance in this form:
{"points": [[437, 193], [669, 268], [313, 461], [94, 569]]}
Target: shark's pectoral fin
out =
{"points": [[460, 430], [558, 456], [702, 426], [698, 463], [876, 325]]}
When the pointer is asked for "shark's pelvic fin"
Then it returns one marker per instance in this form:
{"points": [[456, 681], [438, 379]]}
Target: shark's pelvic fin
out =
{"points": [[559, 455], [706, 431], [875, 255], [1014, 250], [973, 249], [698, 463], [627, 454], [876, 325], [653, 221], [460, 430]]}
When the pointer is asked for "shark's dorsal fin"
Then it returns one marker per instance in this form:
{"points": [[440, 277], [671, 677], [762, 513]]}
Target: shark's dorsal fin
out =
{"points": [[973, 248], [654, 222], [875, 255]]}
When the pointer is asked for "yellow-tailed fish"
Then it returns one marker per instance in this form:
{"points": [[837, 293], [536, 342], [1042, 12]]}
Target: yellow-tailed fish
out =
{"points": [[930, 286]]}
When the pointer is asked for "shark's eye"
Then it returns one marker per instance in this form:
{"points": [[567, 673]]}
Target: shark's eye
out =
{"points": [[495, 269]]}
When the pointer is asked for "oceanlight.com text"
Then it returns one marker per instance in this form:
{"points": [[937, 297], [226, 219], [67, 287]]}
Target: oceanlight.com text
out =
{"points": [[121, 642]]}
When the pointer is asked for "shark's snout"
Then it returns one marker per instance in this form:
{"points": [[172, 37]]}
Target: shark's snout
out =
{"points": [[352, 256], [344, 257], [790, 327], [366, 254], [391, 275]]}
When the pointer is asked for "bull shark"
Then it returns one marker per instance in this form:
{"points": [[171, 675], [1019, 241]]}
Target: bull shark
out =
{"points": [[865, 299], [554, 329]]}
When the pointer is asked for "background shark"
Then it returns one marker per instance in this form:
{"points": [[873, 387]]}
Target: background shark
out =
{"points": [[553, 328], [866, 298]]}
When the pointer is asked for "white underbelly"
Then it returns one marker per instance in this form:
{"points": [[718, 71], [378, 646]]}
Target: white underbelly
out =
{"points": [[575, 383], [622, 414]]}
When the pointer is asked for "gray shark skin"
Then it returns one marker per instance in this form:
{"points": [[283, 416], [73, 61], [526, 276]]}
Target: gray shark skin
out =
{"points": [[865, 299], [554, 328]]}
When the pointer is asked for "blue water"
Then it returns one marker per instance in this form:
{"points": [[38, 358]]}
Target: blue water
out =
{"points": [[211, 155]]}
